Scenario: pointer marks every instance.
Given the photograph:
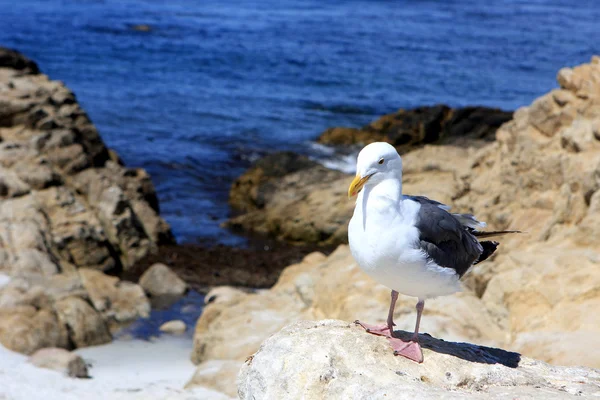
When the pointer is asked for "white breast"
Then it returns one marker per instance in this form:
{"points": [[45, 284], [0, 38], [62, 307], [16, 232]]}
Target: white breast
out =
{"points": [[385, 243]]}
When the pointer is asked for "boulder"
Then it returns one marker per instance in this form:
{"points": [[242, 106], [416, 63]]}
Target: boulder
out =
{"points": [[118, 301], [86, 326], [159, 281], [175, 327], [61, 360], [334, 360], [25, 329]]}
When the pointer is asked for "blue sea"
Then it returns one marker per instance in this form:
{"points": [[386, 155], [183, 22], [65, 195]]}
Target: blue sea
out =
{"points": [[214, 84]]}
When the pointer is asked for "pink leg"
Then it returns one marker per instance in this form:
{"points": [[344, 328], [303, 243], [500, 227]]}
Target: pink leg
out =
{"points": [[383, 330], [412, 349]]}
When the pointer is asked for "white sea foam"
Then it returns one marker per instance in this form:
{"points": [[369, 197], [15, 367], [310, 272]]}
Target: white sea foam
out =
{"points": [[327, 156]]}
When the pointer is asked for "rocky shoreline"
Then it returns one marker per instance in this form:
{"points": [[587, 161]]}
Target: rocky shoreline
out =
{"points": [[83, 249]]}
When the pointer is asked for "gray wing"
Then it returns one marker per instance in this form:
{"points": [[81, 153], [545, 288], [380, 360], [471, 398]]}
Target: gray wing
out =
{"points": [[444, 238], [467, 220]]}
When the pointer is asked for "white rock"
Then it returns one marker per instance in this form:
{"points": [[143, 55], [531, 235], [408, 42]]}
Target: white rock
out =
{"points": [[335, 360], [175, 327], [60, 360]]}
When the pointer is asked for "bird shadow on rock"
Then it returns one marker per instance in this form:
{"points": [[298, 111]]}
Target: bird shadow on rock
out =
{"points": [[465, 351]]}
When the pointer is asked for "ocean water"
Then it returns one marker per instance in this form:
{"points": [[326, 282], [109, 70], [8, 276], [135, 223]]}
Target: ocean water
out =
{"points": [[213, 84]]}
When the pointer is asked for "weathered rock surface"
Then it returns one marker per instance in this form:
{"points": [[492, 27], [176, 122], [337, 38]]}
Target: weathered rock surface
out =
{"points": [[69, 211], [61, 360], [409, 129], [335, 360]]}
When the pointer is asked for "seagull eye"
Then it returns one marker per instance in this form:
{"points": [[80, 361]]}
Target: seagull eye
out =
{"points": [[380, 161]]}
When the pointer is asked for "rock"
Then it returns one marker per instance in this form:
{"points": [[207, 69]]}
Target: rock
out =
{"points": [[217, 375], [60, 360], [409, 129], [25, 329], [333, 359], [306, 206], [96, 208], [116, 300], [251, 191], [15, 60], [176, 327], [86, 326], [159, 280], [141, 28]]}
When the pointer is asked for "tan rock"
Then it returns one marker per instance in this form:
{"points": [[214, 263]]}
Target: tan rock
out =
{"points": [[175, 327], [86, 326], [117, 300], [159, 280], [333, 359], [25, 329], [60, 360]]}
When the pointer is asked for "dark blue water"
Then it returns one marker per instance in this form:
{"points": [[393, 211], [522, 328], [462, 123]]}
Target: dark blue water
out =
{"points": [[214, 83]]}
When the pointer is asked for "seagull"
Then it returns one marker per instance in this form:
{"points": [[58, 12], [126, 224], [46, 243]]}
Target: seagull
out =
{"points": [[411, 244]]}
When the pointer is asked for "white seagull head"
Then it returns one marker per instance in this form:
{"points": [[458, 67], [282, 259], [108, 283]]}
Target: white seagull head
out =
{"points": [[376, 162]]}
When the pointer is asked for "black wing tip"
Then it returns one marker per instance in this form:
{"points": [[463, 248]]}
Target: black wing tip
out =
{"points": [[489, 247]]}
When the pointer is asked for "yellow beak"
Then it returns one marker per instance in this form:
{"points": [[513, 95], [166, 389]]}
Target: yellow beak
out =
{"points": [[357, 184]]}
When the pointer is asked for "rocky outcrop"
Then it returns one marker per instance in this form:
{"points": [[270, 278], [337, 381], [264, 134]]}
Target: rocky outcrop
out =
{"points": [[536, 296], [67, 202], [297, 200], [409, 129], [69, 211], [335, 360], [542, 175]]}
